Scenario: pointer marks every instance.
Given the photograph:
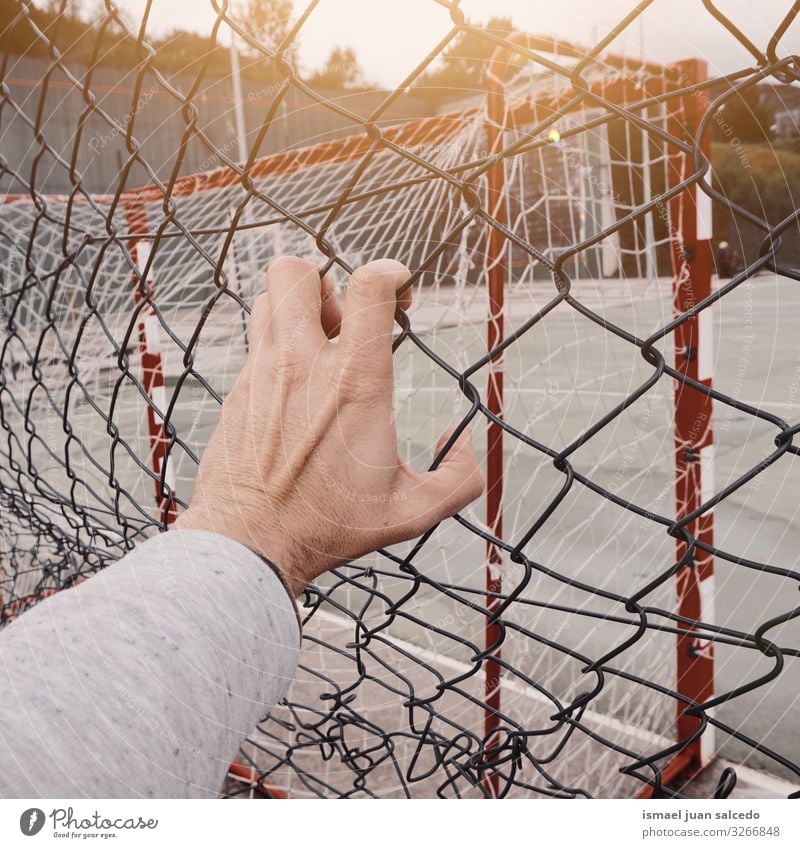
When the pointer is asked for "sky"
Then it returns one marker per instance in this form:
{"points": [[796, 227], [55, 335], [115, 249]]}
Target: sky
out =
{"points": [[391, 36]]}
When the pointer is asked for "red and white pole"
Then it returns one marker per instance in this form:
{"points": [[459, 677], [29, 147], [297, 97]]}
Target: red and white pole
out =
{"points": [[692, 255], [497, 269], [151, 352]]}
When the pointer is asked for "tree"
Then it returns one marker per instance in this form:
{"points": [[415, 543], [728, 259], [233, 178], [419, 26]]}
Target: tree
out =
{"points": [[74, 39], [767, 183], [187, 52], [269, 20], [748, 116], [464, 63], [341, 71]]}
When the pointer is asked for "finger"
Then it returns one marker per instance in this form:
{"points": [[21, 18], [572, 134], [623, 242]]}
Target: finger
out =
{"points": [[295, 300], [368, 314], [436, 495], [404, 299], [259, 325], [331, 312]]}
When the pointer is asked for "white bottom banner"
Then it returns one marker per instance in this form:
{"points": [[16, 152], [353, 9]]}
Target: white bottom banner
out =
{"points": [[424, 823]]}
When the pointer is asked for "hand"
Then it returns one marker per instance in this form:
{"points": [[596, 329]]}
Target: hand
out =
{"points": [[303, 465]]}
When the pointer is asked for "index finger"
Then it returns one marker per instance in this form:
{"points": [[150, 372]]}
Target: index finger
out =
{"points": [[369, 307]]}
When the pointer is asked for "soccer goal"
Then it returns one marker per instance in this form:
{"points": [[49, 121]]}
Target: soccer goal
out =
{"points": [[558, 638]]}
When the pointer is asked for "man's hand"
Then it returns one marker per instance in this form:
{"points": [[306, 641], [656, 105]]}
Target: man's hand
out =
{"points": [[303, 466]]}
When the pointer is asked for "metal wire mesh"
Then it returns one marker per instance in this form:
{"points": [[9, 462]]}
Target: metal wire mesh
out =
{"points": [[557, 676]]}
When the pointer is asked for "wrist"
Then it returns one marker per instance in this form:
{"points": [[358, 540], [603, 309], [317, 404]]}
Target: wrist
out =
{"points": [[216, 521]]}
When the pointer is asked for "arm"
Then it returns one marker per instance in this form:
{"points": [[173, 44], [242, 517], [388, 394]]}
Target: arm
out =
{"points": [[145, 679]]}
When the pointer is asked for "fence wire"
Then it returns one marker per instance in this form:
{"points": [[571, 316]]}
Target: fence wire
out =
{"points": [[417, 677]]}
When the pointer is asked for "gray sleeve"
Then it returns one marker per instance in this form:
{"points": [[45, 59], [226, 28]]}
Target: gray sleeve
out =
{"points": [[144, 680]]}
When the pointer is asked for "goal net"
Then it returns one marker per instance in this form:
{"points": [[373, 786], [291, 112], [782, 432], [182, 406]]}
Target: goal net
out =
{"points": [[558, 637]]}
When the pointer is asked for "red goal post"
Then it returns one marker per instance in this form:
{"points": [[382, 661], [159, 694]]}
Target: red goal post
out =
{"points": [[690, 231]]}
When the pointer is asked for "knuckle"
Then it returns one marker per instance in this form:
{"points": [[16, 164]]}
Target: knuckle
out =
{"points": [[291, 364], [240, 391], [260, 305], [360, 378], [375, 278], [259, 313], [290, 265], [351, 385]]}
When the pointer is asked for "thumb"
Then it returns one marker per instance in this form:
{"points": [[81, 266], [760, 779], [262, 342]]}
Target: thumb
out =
{"points": [[436, 495]]}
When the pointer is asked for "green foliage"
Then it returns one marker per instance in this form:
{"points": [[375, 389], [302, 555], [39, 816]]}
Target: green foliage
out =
{"points": [[82, 38], [87, 41], [789, 145], [185, 52], [19, 36], [748, 116], [764, 180], [269, 20], [340, 71]]}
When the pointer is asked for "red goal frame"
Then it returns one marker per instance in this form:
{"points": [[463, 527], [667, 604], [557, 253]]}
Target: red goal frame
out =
{"points": [[692, 265]]}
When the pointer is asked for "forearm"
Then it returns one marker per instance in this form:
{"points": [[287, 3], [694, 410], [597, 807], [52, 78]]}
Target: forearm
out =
{"points": [[144, 680]]}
